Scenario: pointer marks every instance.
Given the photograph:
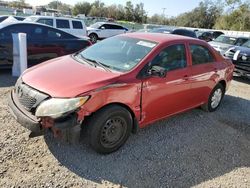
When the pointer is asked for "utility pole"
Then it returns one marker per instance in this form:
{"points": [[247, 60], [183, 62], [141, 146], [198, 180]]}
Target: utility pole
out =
{"points": [[163, 11]]}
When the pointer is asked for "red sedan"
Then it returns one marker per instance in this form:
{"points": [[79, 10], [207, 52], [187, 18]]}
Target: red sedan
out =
{"points": [[119, 85]]}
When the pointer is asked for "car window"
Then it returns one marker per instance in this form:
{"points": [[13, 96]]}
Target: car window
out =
{"points": [[77, 25], [54, 34], [240, 41], [225, 39], [119, 53], [107, 26], [171, 58], [6, 33], [117, 27], [246, 44], [64, 24], [37, 32], [200, 54], [46, 21], [3, 18]]}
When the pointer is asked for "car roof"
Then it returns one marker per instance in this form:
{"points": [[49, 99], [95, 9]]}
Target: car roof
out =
{"points": [[56, 17], [112, 23], [5, 24], [160, 37]]}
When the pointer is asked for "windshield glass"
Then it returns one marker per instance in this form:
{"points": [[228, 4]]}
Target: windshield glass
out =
{"points": [[246, 44], [118, 53], [96, 25], [226, 39]]}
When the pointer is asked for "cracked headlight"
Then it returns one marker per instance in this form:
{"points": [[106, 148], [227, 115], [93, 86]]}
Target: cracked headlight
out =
{"points": [[56, 107]]}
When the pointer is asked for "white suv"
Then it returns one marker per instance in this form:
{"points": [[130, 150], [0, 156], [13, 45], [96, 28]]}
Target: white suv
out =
{"points": [[75, 27], [102, 30]]}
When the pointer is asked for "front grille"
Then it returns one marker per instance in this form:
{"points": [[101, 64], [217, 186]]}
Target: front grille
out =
{"points": [[27, 101], [28, 97]]}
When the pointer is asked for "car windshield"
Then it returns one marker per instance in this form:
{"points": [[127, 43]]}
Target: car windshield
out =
{"points": [[226, 40], [30, 19], [118, 53], [246, 44], [96, 25]]}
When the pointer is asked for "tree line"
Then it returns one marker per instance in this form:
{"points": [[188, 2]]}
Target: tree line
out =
{"points": [[210, 14]]}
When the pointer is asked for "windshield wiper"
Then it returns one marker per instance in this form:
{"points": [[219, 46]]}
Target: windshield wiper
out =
{"points": [[104, 66]]}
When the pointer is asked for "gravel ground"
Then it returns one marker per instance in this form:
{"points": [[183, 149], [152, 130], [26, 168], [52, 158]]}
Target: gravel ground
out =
{"points": [[195, 148]]}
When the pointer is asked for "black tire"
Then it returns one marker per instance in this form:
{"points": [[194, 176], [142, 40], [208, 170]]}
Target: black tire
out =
{"points": [[109, 128], [93, 37], [210, 106]]}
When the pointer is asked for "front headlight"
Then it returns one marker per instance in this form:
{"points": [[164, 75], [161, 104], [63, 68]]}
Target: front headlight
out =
{"points": [[57, 107]]}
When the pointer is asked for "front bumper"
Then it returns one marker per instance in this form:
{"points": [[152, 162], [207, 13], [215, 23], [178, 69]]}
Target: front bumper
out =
{"points": [[34, 124], [25, 118]]}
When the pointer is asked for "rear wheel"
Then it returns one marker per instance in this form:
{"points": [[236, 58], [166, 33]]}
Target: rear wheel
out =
{"points": [[93, 37], [109, 129], [214, 99]]}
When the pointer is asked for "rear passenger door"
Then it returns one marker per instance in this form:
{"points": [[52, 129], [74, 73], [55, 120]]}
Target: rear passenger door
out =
{"points": [[79, 28], [204, 73], [106, 31]]}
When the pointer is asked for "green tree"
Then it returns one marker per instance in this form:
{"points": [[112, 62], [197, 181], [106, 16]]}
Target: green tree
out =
{"points": [[65, 8], [238, 19], [18, 4], [82, 8], [203, 16], [139, 14], [129, 11]]}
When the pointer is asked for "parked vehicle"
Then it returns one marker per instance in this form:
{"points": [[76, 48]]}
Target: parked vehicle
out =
{"points": [[240, 55], [119, 85], [43, 42], [210, 35], [184, 32], [161, 30], [75, 27], [223, 42], [102, 30], [2, 18]]}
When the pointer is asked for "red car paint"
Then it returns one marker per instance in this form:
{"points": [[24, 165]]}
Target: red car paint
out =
{"points": [[149, 99]]}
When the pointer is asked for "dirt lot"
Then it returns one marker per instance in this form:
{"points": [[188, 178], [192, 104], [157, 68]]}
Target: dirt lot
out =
{"points": [[191, 149]]}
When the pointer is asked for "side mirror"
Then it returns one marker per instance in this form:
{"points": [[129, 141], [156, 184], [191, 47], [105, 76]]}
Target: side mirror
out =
{"points": [[157, 71], [102, 27]]}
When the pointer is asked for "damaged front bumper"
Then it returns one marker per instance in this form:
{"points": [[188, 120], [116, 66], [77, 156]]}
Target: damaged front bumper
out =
{"points": [[38, 125]]}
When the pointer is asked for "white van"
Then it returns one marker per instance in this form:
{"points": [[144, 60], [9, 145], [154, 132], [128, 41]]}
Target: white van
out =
{"points": [[73, 26]]}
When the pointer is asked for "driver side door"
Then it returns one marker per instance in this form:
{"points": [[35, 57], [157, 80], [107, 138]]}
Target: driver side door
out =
{"points": [[162, 97]]}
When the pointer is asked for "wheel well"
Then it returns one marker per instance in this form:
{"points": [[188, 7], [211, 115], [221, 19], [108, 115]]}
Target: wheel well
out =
{"points": [[223, 83], [93, 34], [135, 121]]}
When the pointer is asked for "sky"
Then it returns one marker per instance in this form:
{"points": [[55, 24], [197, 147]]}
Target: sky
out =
{"points": [[173, 8]]}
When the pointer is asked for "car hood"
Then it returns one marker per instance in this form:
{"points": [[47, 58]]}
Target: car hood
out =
{"points": [[65, 77]]}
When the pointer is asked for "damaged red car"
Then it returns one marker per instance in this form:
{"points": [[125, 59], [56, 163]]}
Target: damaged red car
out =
{"points": [[119, 85]]}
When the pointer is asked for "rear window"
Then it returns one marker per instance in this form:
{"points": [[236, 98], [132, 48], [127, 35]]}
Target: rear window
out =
{"points": [[77, 24], [64, 24]]}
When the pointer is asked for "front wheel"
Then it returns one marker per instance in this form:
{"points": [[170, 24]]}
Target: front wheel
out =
{"points": [[109, 129], [214, 99], [93, 37]]}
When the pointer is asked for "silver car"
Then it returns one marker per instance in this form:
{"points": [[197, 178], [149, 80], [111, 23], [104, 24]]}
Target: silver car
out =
{"points": [[223, 42]]}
